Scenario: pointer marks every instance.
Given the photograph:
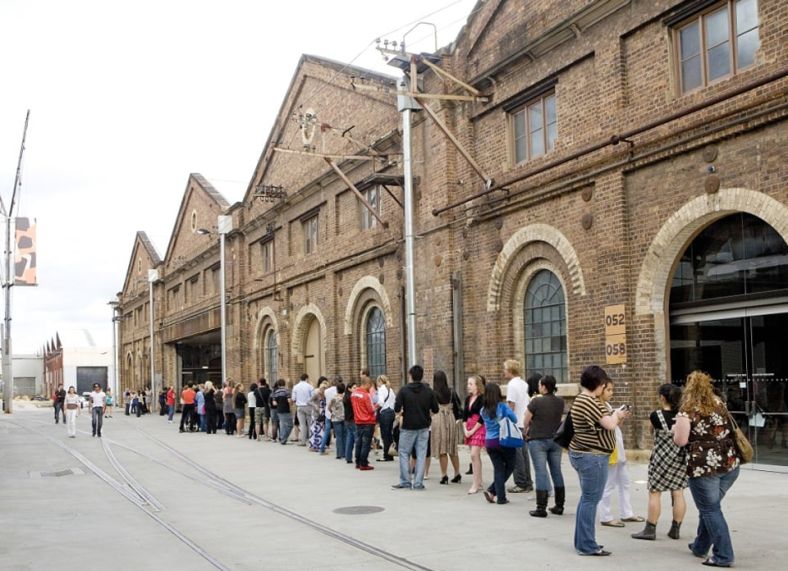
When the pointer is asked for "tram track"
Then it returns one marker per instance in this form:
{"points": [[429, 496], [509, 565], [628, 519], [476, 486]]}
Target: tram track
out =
{"points": [[295, 516], [135, 493]]}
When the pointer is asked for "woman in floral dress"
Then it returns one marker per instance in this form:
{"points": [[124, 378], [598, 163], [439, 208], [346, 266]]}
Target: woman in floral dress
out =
{"points": [[318, 402]]}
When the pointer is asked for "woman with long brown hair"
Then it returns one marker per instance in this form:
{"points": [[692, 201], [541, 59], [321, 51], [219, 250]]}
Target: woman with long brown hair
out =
{"points": [[473, 427], [444, 434], [704, 426]]}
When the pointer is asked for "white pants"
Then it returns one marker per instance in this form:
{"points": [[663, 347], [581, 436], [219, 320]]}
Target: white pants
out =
{"points": [[617, 475], [71, 421]]}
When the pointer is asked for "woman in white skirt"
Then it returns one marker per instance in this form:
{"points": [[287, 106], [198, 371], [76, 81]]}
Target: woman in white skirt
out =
{"points": [[617, 477], [72, 411]]}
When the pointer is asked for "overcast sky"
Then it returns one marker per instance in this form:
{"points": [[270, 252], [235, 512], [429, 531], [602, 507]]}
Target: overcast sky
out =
{"points": [[128, 98]]}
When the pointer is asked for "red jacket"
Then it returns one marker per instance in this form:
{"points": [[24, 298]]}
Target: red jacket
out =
{"points": [[363, 411]]}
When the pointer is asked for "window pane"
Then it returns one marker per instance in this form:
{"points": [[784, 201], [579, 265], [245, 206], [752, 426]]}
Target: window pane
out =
{"points": [[718, 62], [549, 107], [536, 128], [691, 74], [519, 150], [689, 38], [747, 45], [717, 27], [519, 124], [746, 15], [551, 136]]}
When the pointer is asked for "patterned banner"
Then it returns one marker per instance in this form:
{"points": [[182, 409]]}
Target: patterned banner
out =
{"points": [[25, 259]]}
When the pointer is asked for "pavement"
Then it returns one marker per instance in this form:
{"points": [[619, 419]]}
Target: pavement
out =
{"points": [[221, 502]]}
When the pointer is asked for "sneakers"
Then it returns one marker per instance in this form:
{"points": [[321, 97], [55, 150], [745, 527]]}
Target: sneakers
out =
{"points": [[402, 487], [519, 490]]}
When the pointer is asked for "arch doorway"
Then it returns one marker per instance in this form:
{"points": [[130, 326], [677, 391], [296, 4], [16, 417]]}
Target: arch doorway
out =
{"points": [[313, 364], [729, 317]]}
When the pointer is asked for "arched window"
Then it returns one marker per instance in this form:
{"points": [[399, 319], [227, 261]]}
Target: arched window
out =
{"points": [[376, 342], [270, 356], [545, 327]]}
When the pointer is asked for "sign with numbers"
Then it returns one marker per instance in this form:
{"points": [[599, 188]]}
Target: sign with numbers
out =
{"points": [[615, 334]]}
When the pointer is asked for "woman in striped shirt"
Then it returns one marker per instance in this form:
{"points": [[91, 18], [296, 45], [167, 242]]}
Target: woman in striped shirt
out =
{"points": [[589, 453]]}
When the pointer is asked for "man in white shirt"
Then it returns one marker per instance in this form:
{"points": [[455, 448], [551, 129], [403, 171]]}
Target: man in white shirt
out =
{"points": [[98, 404], [302, 392], [517, 398]]}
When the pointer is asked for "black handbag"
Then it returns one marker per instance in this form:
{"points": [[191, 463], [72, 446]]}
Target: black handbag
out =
{"points": [[566, 431]]}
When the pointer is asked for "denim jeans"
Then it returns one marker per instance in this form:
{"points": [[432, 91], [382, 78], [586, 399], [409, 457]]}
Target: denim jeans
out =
{"points": [[170, 411], [274, 431], [545, 453], [326, 435], [285, 426], [363, 443], [97, 415], [504, 461], [592, 471], [522, 467], [408, 440], [59, 412], [350, 440], [339, 435], [708, 492], [386, 420], [203, 422]]}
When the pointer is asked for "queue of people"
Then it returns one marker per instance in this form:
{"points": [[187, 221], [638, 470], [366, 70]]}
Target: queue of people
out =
{"points": [[693, 432]]}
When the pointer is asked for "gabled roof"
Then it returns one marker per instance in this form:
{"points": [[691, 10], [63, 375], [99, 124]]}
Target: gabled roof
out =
{"points": [[287, 102], [141, 240], [214, 195]]}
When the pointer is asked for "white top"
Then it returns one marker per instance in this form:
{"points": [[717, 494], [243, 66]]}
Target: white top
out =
{"points": [[331, 392], [251, 400], [302, 392], [386, 398], [98, 398], [517, 393], [72, 399]]}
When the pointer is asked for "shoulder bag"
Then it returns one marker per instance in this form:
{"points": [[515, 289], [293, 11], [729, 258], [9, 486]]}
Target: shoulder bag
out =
{"points": [[566, 431], [743, 446], [509, 435]]}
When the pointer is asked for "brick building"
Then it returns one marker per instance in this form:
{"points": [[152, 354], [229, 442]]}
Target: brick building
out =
{"points": [[627, 207]]}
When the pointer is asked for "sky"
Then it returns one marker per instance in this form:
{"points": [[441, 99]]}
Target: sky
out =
{"points": [[127, 98]]}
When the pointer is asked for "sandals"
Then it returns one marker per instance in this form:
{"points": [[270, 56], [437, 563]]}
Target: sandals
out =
{"points": [[634, 518], [613, 523]]}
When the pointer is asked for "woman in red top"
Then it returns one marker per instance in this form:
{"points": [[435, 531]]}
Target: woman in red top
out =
{"points": [[170, 404]]}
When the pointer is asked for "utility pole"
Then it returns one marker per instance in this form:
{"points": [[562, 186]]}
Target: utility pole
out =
{"points": [[153, 276], [8, 369]]}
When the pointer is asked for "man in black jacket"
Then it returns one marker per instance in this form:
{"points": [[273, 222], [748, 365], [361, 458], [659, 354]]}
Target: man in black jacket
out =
{"points": [[416, 401]]}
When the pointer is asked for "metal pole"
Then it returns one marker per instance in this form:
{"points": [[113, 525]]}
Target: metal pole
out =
{"points": [[224, 225], [114, 305], [8, 366], [405, 105], [153, 275]]}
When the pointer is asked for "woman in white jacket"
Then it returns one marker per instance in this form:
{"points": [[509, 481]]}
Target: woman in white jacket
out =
{"points": [[72, 411], [617, 476]]}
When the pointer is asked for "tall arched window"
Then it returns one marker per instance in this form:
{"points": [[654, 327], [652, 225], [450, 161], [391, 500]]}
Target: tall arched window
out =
{"points": [[545, 327], [270, 356], [376, 342]]}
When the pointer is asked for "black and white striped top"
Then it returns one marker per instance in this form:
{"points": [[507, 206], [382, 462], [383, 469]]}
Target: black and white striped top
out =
{"points": [[589, 435]]}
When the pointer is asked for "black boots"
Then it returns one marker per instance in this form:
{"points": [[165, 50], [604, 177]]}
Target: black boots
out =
{"points": [[674, 530], [649, 532], [470, 470], [560, 497], [541, 504]]}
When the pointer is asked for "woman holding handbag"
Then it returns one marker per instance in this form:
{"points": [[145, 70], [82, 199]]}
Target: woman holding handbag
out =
{"points": [[706, 428], [503, 458]]}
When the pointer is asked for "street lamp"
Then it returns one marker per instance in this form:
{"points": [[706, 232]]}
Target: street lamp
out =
{"points": [[115, 318], [224, 225]]}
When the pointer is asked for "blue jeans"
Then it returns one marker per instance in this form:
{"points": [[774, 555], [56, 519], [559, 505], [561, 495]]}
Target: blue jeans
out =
{"points": [[363, 443], [545, 453], [592, 470], [97, 416], [708, 492], [170, 411], [408, 440], [350, 440], [339, 435], [386, 420], [285, 426], [326, 435], [504, 461]]}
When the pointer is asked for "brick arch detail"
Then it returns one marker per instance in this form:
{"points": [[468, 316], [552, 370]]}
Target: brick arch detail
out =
{"points": [[299, 331], [520, 239], [264, 313], [367, 282], [677, 231]]}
